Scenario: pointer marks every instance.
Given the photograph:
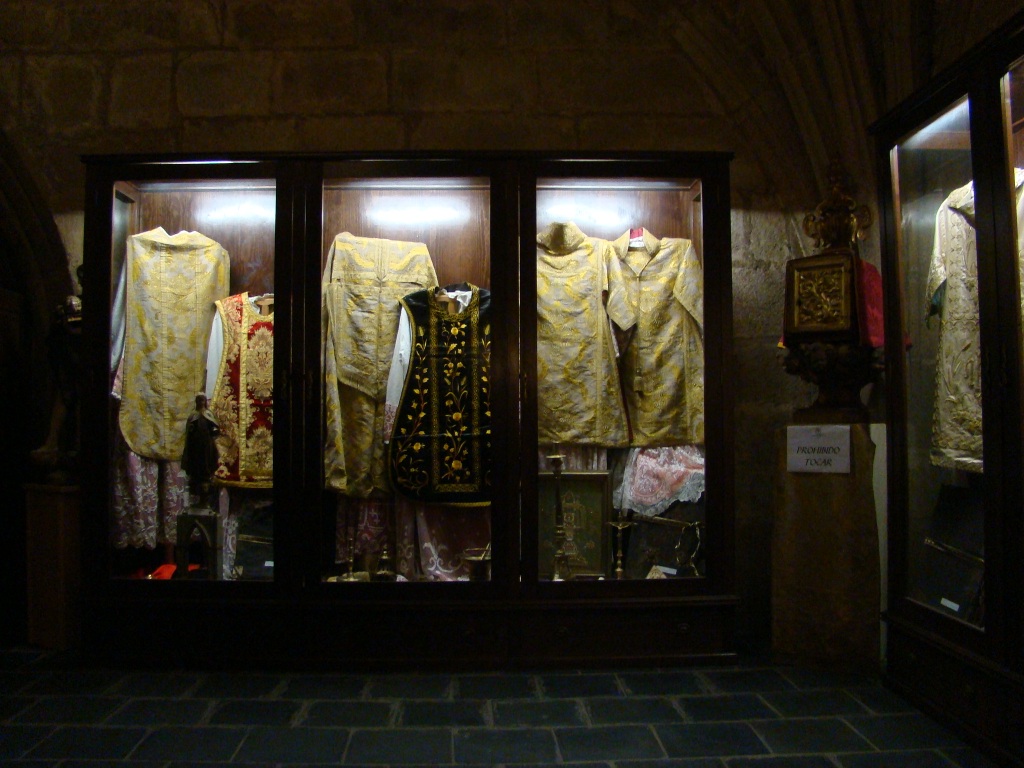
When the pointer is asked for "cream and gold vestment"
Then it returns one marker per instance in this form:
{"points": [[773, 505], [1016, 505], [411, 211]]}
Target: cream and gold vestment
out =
{"points": [[952, 291], [663, 363], [363, 280], [579, 289], [172, 283]]}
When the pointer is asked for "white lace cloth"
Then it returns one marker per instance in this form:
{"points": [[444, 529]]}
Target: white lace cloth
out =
{"points": [[655, 478]]}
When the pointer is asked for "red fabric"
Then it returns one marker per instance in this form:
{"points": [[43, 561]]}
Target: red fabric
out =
{"points": [[869, 311], [231, 389]]}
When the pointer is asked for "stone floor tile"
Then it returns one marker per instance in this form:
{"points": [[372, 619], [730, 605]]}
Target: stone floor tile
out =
{"points": [[737, 706], [510, 686], [255, 712], [12, 705], [662, 683], [16, 740], [504, 745], [881, 700], [179, 743], [813, 703], [634, 709], [237, 686], [800, 735], [16, 682], [294, 745], [115, 764], [324, 687], [351, 714], [154, 712], [700, 762], [410, 687], [154, 684], [69, 682], [903, 731], [789, 761], [70, 709], [906, 759], [579, 685], [612, 742], [16, 658], [84, 742], [810, 677], [413, 745], [746, 680], [710, 740], [550, 713], [968, 757]]}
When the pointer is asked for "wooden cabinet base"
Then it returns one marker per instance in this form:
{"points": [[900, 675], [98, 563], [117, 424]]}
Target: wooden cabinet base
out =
{"points": [[979, 701], [53, 565]]}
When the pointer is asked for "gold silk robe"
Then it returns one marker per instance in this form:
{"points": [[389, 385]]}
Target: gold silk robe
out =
{"points": [[956, 420], [663, 363], [172, 284], [579, 289], [363, 280]]}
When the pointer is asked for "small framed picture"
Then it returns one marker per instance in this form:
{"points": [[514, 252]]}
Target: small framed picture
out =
{"points": [[586, 510]]}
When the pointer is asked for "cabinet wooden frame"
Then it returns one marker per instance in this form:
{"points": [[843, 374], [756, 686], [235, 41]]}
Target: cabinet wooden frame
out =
{"points": [[300, 619], [933, 656]]}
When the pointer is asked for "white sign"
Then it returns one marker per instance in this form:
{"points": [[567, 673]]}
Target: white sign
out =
{"points": [[821, 448]]}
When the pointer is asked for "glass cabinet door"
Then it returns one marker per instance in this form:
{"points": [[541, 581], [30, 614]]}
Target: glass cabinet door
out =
{"points": [[407, 321], [1013, 122], [191, 370], [936, 240], [620, 379]]}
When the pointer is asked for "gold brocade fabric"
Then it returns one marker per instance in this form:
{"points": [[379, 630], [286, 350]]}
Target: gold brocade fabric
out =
{"points": [[362, 282], [956, 420], [663, 363], [172, 284], [579, 288], [243, 401]]}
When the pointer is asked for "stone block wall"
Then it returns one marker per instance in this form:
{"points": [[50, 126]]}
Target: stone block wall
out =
{"points": [[784, 85]]}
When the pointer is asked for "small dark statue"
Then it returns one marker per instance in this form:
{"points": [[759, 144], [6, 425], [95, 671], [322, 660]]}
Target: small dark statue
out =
{"points": [[58, 456], [199, 459]]}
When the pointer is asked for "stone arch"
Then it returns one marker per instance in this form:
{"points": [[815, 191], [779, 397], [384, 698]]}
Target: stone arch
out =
{"points": [[34, 279]]}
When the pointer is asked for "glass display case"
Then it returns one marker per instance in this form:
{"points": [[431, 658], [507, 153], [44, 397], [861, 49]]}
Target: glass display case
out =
{"points": [[953, 174], [190, 459], [483, 421]]}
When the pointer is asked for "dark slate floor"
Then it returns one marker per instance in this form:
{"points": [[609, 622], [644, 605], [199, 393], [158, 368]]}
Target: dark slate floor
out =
{"points": [[53, 713]]}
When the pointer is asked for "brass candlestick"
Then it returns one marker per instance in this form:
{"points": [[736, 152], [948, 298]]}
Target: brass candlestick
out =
{"points": [[384, 570], [619, 525], [560, 561], [350, 539]]}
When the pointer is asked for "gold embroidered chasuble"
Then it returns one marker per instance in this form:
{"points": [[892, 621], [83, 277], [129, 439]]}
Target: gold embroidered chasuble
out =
{"points": [[663, 363], [952, 291], [440, 447], [172, 284], [579, 289], [363, 280], [243, 400]]}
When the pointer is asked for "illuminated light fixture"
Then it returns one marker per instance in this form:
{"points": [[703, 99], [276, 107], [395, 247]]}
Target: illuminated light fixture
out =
{"points": [[583, 216], [415, 211], [247, 210], [950, 130]]}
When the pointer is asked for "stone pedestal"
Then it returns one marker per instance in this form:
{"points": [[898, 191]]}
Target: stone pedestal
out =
{"points": [[825, 563], [53, 565]]}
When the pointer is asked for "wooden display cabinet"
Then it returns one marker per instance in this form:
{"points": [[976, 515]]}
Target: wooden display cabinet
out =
{"points": [[318, 573], [950, 168]]}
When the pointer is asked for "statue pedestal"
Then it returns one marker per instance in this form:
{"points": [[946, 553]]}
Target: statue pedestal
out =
{"points": [[53, 565], [826, 602]]}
